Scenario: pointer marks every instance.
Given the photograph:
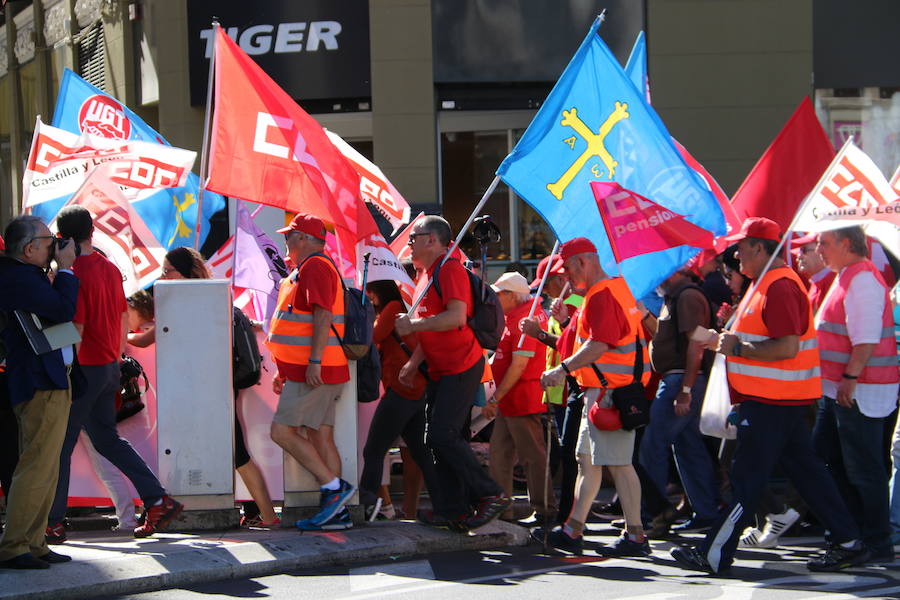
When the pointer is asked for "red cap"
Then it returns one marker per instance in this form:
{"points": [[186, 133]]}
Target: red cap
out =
{"points": [[305, 223], [577, 246], [799, 242], [556, 268], [757, 227]]}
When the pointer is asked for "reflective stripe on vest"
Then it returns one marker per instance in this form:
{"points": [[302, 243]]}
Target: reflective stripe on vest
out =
{"points": [[796, 378], [291, 330], [834, 338], [616, 364]]}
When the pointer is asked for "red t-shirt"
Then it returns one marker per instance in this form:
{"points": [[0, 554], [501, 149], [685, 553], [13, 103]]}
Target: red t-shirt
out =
{"points": [[101, 302], [524, 398], [604, 318], [565, 344], [317, 284], [393, 356], [785, 312], [454, 351]]}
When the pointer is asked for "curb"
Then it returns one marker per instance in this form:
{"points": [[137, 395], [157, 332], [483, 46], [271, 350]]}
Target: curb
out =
{"points": [[188, 560]]}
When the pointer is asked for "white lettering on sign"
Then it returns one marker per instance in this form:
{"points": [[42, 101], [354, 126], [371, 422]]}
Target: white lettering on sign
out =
{"points": [[288, 37], [616, 211], [288, 133]]}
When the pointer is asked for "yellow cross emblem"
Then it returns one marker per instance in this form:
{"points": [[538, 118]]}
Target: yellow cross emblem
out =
{"points": [[181, 228], [595, 146]]}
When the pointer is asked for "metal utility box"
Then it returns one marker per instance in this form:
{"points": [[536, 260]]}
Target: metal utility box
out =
{"points": [[195, 413]]}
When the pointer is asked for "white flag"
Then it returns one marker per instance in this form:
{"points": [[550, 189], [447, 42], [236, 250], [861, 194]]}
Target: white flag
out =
{"points": [[895, 180], [374, 187], [384, 265], [61, 161], [119, 231]]}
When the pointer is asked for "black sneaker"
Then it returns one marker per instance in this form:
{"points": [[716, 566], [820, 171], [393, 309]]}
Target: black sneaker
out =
{"points": [[836, 558], [371, 510], [433, 519], [625, 546], [691, 559], [488, 509], [560, 540], [693, 525], [608, 512]]}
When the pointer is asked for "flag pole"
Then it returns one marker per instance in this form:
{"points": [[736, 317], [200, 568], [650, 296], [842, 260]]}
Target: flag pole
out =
{"points": [[204, 151], [459, 236], [537, 296], [787, 234]]}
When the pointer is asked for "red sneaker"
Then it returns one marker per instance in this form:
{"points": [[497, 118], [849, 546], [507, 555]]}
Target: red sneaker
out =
{"points": [[55, 534], [157, 517]]}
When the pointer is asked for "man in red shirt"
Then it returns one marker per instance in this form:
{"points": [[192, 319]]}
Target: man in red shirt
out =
{"points": [[312, 368], [455, 365], [518, 430], [101, 316]]}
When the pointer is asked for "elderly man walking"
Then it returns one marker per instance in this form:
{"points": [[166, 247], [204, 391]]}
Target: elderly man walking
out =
{"points": [[518, 402], [855, 328], [772, 361]]}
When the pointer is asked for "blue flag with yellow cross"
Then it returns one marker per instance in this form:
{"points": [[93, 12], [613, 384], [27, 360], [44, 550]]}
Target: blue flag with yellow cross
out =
{"points": [[597, 126]]}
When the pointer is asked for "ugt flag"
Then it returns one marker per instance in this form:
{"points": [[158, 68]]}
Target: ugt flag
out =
{"points": [[596, 126], [171, 215]]}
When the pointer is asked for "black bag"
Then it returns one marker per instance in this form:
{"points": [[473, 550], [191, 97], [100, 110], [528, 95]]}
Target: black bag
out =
{"points": [[246, 360], [368, 376], [128, 401], [631, 400], [359, 320], [487, 321]]}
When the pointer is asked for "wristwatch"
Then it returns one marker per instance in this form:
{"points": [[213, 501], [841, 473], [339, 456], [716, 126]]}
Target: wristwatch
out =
{"points": [[542, 336]]}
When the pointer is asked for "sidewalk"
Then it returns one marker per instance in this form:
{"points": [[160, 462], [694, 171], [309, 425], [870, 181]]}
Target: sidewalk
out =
{"points": [[106, 563]]}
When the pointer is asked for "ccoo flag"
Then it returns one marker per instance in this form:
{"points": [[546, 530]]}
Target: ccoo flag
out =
{"points": [[636, 225], [171, 214], [596, 126]]}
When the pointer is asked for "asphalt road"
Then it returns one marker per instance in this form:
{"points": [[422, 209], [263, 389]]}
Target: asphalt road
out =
{"points": [[525, 574]]}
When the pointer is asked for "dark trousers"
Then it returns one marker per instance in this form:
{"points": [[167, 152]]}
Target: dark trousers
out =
{"points": [[94, 408], [9, 438], [568, 440], [462, 481], [852, 445], [396, 416], [768, 435]]}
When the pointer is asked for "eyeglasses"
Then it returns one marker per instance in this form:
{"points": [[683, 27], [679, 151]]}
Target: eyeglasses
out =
{"points": [[413, 236], [41, 237]]}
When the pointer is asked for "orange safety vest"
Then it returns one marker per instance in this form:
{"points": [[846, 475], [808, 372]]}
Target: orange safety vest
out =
{"points": [[291, 329], [796, 378], [834, 340], [616, 364]]}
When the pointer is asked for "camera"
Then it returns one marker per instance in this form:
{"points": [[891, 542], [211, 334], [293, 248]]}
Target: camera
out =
{"points": [[60, 243]]}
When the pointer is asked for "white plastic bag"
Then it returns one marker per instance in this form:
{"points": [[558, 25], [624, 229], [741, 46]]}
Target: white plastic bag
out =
{"points": [[717, 403]]}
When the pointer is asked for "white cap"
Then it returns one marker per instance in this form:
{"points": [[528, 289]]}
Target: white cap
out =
{"points": [[512, 282]]}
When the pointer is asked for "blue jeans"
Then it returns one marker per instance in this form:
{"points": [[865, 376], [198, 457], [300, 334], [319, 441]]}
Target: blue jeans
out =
{"points": [[667, 432], [851, 444], [94, 408]]}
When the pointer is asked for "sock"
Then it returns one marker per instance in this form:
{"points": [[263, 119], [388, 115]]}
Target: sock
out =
{"points": [[334, 484], [570, 531], [639, 538], [158, 502]]}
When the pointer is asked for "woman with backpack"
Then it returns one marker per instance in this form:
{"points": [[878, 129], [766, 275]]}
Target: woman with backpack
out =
{"points": [[401, 411], [187, 263]]}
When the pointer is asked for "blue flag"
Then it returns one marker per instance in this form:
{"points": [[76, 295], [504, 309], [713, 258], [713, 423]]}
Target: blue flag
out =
{"points": [[596, 126], [636, 67], [170, 214]]}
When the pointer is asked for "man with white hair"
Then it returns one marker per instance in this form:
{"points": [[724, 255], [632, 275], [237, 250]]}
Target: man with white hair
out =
{"points": [[518, 402]]}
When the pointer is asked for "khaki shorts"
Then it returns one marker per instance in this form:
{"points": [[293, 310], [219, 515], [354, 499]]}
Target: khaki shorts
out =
{"points": [[301, 405], [606, 448]]}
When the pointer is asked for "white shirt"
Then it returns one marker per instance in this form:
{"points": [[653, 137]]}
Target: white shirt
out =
{"points": [[864, 305]]}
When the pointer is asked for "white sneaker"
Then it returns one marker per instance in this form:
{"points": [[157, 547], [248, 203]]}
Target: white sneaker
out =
{"points": [[750, 539]]}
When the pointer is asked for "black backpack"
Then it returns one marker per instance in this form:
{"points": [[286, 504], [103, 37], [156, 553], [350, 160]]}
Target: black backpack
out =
{"points": [[487, 321], [129, 400], [708, 355], [359, 320], [368, 376], [246, 360]]}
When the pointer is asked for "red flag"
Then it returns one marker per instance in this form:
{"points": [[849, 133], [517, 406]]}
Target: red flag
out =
{"points": [[267, 149], [788, 170], [635, 225]]}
